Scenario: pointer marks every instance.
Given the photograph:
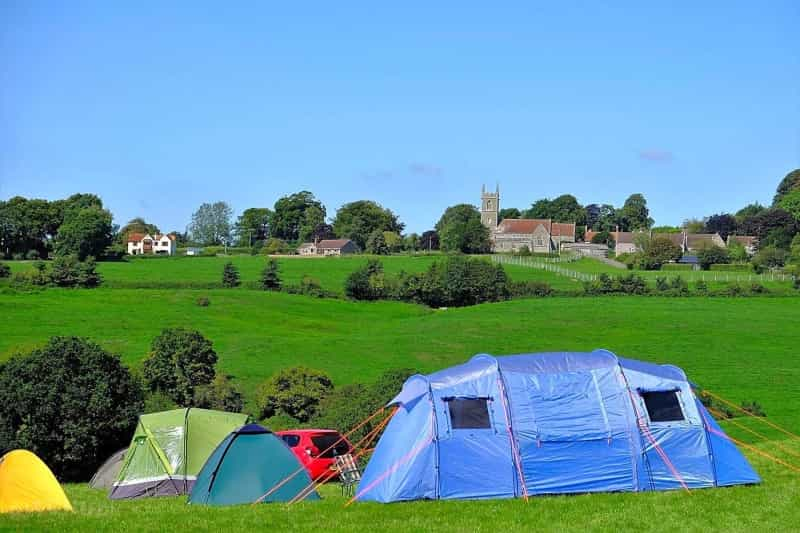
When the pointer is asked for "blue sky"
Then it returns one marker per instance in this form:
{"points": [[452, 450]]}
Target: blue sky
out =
{"points": [[159, 108]]}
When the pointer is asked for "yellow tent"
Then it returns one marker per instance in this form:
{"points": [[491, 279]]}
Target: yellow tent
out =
{"points": [[26, 484]]}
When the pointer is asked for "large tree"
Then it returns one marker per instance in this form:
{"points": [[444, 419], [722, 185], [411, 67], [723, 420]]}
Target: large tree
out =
{"points": [[634, 214], [136, 225], [509, 212], [460, 230], [86, 232], [788, 184], [749, 210], [725, 224], [429, 240], [358, 220], [772, 227], [211, 224], [28, 224], [564, 208], [791, 203], [253, 226], [296, 216]]}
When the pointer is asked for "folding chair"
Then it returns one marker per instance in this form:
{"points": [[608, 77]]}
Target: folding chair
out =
{"points": [[349, 474]]}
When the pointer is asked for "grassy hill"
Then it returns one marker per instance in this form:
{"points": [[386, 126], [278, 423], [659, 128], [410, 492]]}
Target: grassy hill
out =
{"points": [[743, 349]]}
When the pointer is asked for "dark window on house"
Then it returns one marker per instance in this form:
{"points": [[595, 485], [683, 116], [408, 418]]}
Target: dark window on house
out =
{"points": [[469, 413], [291, 440], [663, 406]]}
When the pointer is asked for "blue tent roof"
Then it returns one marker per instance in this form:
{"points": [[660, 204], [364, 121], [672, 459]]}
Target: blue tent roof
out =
{"points": [[548, 423]]}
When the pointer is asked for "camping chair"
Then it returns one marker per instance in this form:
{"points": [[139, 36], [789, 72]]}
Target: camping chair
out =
{"points": [[349, 474]]}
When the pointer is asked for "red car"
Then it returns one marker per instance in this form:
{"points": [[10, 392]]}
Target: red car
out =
{"points": [[316, 448]]}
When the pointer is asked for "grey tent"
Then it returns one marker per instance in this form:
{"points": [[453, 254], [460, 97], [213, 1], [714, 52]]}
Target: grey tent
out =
{"points": [[107, 474]]}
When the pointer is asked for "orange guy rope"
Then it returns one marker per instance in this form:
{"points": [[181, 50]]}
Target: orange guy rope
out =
{"points": [[721, 416], [745, 411]]}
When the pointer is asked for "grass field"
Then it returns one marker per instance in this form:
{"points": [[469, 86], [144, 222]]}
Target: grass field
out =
{"points": [[743, 349]]}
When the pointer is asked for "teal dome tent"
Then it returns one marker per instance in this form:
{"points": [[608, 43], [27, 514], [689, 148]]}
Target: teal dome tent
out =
{"points": [[249, 463]]}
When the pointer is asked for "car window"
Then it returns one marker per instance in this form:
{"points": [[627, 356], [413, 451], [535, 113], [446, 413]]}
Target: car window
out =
{"points": [[291, 440], [330, 444]]}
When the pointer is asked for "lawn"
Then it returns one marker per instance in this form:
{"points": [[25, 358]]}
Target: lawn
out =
{"points": [[743, 349]]}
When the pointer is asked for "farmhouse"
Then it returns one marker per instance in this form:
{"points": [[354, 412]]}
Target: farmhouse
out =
{"points": [[511, 235], [328, 247], [749, 242], [625, 241], [139, 244]]}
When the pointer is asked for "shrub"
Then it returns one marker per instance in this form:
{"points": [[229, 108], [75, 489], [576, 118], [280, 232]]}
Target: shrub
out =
{"points": [[32, 255], [158, 401], [769, 258], [524, 251], [519, 289], [661, 284], [733, 289], [605, 284], [18, 256], [758, 288], [230, 276], [460, 281], [5, 270], [701, 287], [270, 277], [180, 360], [679, 286], [376, 243], [275, 246], [293, 391], [88, 276], [363, 284], [203, 301], [796, 282], [309, 287], [65, 270], [221, 394], [711, 255], [70, 402], [754, 408], [732, 267], [660, 250]]}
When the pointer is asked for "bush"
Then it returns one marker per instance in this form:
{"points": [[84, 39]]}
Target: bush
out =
{"points": [[180, 360], [293, 391], [660, 250], [275, 246], [712, 255], [524, 251], [460, 281], [605, 284], [701, 287], [70, 402], [88, 276], [347, 406], [309, 287], [661, 284], [518, 289], [754, 408], [5, 270], [158, 401], [68, 271], [769, 258], [796, 282], [366, 283], [230, 276], [203, 301], [679, 286], [376, 243], [733, 289], [757, 288], [221, 394], [270, 277], [18, 256], [32, 255]]}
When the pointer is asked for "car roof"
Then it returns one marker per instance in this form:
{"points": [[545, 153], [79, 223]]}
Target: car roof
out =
{"points": [[306, 431]]}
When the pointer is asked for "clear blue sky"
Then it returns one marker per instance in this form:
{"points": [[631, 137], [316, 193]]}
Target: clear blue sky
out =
{"points": [[158, 108]]}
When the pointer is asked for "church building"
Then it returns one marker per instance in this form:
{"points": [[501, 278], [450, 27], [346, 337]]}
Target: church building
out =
{"points": [[510, 234]]}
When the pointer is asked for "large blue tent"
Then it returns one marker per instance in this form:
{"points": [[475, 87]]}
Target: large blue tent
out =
{"points": [[549, 423]]}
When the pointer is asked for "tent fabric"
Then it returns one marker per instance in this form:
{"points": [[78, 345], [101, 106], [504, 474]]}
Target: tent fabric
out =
{"points": [[247, 464], [109, 471], [559, 423], [169, 448], [28, 485]]}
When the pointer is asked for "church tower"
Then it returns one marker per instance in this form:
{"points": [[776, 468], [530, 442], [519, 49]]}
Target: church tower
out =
{"points": [[490, 207]]}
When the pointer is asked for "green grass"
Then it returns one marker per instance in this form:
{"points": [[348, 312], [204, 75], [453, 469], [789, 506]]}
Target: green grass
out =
{"points": [[743, 349]]}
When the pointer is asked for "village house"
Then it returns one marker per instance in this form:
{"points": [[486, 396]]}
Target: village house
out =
{"points": [[328, 247], [624, 241], [511, 235], [139, 244], [748, 241]]}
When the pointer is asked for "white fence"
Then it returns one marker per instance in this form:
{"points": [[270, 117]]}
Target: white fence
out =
{"points": [[549, 264]]}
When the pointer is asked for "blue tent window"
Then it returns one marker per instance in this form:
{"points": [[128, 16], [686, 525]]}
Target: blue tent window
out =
{"points": [[663, 406], [469, 413]]}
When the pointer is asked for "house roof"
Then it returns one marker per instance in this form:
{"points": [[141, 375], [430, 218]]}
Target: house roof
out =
{"points": [[694, 240], [522, 225], [561, 229], [746, 240], [623, 237], [676, 238], [135, 237], [333, 243]]}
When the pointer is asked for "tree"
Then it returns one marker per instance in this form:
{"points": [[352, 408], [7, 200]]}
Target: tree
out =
{"points": [[565, 208], [358, 220], [321, 232], [290, 220], [180, 360], [789, 183], [376, 243], [509, 212], [361, 283], [539, 209], [772, 227], [790, 202], [750, 210], [70, 402], [661, 250], [460, 229], [230, 276], [694, 225], [723, 223], [295, 392], [634, 214], [712, 255], [252, 226], [394, 242], [429, 240], [411, 242], [737, 252], [270, 277], [601, 217], [768, 258], [603, 237], [136, 225], [221, 394], [86, 233], [211, 224]]}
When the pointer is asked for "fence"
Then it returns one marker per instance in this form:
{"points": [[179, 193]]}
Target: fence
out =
{"points": [[549, 265]]}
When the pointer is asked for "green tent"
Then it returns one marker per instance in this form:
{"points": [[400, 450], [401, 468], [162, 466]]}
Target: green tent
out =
{"points": [[169, 448], [252, 463]]}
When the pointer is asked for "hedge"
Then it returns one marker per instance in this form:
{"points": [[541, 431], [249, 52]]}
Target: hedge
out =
{"points": [[732, 267], [676, 266]]}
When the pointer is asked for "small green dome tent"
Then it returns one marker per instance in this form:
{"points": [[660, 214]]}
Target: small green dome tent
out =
{"points": [[251, 462]]}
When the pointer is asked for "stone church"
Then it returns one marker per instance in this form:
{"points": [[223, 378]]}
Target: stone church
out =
{"points": [[510, 235]]}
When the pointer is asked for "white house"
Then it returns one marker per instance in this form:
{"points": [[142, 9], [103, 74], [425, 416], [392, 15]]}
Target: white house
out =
{"points": [[139, 244]]}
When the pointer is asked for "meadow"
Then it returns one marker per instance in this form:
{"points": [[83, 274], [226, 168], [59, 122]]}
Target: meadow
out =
{"points": [[745, 349]]}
